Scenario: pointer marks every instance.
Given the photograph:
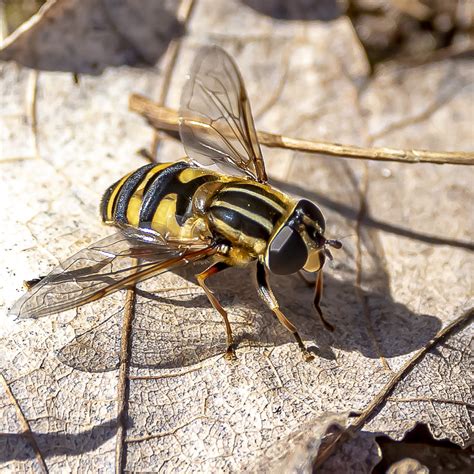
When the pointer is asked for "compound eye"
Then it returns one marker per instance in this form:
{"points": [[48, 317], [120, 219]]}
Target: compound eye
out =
{"points": [[313, 212], [287, 252]]}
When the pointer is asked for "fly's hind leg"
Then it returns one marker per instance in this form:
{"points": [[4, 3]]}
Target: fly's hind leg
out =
{"points": [[266, 293], [201, 278]]}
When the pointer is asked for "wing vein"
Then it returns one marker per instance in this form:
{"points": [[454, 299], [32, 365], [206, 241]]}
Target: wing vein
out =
{"points": [[216, 125]]}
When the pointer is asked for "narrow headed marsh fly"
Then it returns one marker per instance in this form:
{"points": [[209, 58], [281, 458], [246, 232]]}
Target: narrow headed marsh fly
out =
{"points": [[214, 205]]}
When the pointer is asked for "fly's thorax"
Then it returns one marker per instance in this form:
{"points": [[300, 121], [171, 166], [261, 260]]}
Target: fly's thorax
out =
{"points": [[246, 213]]}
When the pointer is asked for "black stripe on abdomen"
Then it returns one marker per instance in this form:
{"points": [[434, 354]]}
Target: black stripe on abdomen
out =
{"points": [[257, 190], [126, 192], [104, 202], [253, 203], [156, 189], [235, 219]]}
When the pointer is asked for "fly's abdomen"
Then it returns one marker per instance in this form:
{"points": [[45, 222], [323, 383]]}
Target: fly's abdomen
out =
{"points": [[157, 197]]}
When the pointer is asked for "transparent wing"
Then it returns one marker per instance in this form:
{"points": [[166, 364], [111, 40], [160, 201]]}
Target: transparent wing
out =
{"points": [[216, 124], [106, 266]]}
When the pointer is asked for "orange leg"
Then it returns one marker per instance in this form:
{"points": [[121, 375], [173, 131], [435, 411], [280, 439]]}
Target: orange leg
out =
{"points": [[318, 285], [266, 293], [201, 278]]}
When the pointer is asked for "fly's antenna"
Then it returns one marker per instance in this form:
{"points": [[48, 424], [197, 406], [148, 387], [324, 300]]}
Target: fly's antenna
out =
{"points": [[336, 244]]}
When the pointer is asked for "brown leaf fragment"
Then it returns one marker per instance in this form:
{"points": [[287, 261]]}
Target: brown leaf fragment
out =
{"points": [[298, 451]]}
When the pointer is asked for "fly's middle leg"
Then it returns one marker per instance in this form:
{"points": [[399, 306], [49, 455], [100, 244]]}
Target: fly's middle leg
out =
{"points": [[266, 294]]}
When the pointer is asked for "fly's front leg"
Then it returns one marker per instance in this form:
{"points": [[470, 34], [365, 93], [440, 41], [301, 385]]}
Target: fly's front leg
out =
{"points": [[266, 293], [318, 294], [201, 278]]}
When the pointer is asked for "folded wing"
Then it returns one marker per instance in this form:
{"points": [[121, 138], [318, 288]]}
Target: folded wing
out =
{"points": [[113, 263], [216, 124]]}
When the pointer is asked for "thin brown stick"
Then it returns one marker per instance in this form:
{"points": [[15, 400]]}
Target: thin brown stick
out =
{"points": [[123, 387], [382, 396], [27, 433], [170, 60], [32, 111], [164, 118], [184, 12], [183, 15]]}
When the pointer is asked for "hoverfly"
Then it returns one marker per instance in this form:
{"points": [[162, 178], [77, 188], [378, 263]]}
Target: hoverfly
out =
{"points": [[214, 205]]}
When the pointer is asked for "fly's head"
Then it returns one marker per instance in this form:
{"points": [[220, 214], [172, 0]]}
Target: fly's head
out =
{"points": [[300, 243]]}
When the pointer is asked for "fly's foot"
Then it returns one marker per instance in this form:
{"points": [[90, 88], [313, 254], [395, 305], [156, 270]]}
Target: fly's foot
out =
{"points": [[307, 356], [230, 353]]}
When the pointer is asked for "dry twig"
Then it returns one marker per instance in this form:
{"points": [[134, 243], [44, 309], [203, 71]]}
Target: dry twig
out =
{"points": [[164, 118]]}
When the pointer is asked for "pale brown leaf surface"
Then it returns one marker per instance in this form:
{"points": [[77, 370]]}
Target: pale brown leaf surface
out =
{"points": [[405, 270], [88, 38]]}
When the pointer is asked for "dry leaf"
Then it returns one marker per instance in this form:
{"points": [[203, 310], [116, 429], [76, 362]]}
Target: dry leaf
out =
{"points": [[86, 36], [404, 273]]}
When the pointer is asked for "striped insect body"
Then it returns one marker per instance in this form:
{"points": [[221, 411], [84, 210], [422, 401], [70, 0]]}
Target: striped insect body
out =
{"points": [[157, 197], [214, 205]]}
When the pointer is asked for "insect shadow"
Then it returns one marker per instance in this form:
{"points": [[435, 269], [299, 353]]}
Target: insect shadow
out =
{"points": [[181, 331], [17, 446]]}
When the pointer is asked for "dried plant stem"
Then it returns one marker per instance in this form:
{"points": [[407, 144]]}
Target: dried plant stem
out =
{"points": [[164, 118], [122, 387]]}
